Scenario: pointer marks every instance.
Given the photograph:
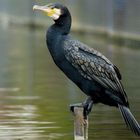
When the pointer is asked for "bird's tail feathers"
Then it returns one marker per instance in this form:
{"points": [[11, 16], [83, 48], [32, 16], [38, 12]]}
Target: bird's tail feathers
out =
{"points": [[129, 119]]}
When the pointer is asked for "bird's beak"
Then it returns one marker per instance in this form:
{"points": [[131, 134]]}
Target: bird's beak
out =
{"points": [[49, 10]]}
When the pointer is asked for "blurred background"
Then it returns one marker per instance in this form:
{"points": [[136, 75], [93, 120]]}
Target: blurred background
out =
{"points": [[35, 95]]}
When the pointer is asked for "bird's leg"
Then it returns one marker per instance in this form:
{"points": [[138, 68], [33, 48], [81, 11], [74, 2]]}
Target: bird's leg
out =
{"points": [[87, 105]]}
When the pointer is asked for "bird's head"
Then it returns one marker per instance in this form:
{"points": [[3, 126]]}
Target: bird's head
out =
{"points": [[59, 13], [55, 11]]}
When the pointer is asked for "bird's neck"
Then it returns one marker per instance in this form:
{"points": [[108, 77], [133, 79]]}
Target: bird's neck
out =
{"points": [[63, 24], [55, 33]]}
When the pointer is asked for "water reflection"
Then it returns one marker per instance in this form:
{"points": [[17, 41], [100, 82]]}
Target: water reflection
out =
{"points": [[19, 121], [35, 95]]}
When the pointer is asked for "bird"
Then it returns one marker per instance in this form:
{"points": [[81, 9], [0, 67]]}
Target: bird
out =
{"points": [[89, 69]]}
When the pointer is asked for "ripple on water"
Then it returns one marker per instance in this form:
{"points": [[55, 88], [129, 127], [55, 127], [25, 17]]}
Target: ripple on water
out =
{"points": [[20, 121]]}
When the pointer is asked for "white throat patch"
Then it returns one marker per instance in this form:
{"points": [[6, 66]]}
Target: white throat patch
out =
{"points": [[56, 14]]}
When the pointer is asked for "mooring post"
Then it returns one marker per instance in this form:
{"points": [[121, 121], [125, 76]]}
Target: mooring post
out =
{"points": [[80, 123]]}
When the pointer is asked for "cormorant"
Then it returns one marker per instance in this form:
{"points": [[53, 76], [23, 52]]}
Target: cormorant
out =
{"points": [[91, 71]]}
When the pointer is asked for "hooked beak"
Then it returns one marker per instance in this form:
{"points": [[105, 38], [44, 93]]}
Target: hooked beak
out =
{"points": [[45, 9], [49, 10]]}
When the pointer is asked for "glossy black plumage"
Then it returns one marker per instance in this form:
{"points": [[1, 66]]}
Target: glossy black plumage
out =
{"points": [[91, 71], [93, 66]]}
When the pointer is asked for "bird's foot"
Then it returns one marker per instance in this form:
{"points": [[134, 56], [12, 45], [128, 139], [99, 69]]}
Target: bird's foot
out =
{"points": [[87, 107], [72, 106], [78, 111]]}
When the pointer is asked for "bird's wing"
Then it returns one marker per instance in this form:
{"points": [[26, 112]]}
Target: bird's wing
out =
{"points": [[93, 65]]}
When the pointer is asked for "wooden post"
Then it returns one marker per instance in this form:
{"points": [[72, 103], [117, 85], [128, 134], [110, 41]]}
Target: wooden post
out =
{"points": [[80, 124]]}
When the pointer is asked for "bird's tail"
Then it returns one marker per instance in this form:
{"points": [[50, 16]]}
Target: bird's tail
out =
{"points": [[130, 119]]}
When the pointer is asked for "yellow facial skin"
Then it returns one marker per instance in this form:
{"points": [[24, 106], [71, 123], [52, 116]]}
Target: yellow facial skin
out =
{"points": [[50, 11]]}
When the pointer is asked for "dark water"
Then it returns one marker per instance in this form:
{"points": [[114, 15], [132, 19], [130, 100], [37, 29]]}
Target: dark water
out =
{"points": [[35, 95]]}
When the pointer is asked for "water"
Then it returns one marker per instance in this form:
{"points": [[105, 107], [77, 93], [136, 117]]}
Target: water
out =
{"points": [[35, 95]]}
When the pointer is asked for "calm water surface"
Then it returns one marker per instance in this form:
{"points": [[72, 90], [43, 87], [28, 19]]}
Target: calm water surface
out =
{"points": [[35, 95]]}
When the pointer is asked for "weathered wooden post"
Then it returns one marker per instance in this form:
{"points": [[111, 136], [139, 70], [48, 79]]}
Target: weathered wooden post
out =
{"points": [[80, 123]]}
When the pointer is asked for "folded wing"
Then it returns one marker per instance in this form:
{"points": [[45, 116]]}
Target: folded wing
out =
{"points": [[92, 65]]}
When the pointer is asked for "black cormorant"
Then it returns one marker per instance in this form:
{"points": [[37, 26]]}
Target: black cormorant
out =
{"points": [[91, 71]]}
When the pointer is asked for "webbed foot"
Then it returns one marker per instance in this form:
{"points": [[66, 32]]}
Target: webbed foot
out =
{"points": [[87, 107]]}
